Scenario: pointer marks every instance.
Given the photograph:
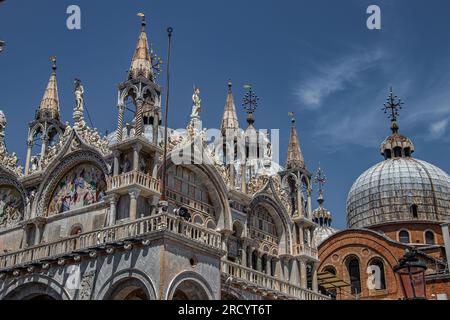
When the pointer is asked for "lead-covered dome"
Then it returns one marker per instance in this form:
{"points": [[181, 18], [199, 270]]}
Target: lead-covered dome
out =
{"points": [[399, 189]]}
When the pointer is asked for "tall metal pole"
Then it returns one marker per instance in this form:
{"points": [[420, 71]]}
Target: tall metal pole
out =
{"points": [[2, 43], [163, 197]]}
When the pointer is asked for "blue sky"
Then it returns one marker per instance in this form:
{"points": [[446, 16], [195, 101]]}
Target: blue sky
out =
{"points": [[316, 58]]}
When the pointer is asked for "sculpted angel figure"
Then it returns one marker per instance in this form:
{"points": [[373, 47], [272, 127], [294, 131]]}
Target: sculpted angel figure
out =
{"points": [[79, 94], [196, 103]]}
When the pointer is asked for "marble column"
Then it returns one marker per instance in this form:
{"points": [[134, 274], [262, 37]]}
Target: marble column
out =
{"points": [[244, 256], [139, 124], [308, 213], [299, 200], [155, 128], [268, 265], [315, 286], [259, 262], [112, 210], [119, 133], [134, 195], [303, 274], [28, 159], [136, 149], [116, 162], [249, 257], [37, 234]]}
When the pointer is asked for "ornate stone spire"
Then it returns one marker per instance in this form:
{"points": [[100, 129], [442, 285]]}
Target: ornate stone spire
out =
{"points": [[229, 119], [141, 65], [49, 106], [295, 158]]}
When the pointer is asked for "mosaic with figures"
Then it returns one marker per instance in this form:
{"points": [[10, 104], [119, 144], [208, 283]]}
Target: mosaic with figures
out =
{"points": [[82, 186], [11, 204]]}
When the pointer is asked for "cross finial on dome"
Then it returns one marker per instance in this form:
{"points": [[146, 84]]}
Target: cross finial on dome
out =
{"points": [[391, 108]]}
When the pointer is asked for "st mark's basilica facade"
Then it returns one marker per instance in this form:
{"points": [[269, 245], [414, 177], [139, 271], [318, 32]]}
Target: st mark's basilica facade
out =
{"points": [[88, 217]]}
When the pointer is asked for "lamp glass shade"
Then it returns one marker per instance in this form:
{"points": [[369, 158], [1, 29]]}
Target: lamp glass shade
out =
{"points": [[412, 279]]}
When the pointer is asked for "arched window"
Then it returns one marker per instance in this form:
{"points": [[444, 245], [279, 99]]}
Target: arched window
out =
{"points": [[379, 274], [429, 237], [413, 210], [407, 152], [397, 152], [76, 230], [354, 275], [387, 153], [330, 269], [403, 236]]}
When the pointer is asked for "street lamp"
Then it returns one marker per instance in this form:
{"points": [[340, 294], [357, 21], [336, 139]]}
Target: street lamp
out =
{"points": [[411, 272]]}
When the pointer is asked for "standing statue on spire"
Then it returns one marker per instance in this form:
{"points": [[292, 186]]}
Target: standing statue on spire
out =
{"points": [[196, 103], [78, 113]]}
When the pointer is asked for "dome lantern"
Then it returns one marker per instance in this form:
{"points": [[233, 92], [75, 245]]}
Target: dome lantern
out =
{"points": [[396, 145]]}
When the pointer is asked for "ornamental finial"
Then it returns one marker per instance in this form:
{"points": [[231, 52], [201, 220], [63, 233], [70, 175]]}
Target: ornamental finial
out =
{"points": [[320, 180], [250, 103], [391, 108], [53, 61], [292, 116], [143, 22]]}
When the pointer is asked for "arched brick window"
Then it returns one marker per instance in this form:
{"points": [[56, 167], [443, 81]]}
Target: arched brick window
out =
{"points": [[429, 237], [354, 274]]}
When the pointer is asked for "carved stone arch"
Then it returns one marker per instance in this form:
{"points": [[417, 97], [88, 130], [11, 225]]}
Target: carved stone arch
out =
{"points": [[305, 179], [57, 170], [200, 288], [218, 190], [279, 217], [230, 293], [34, 129], [8, 180], [126, 93], [284, 181], [132, 277], [34, 286], [151, 89]]}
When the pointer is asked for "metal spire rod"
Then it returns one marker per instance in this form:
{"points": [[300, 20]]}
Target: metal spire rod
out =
{"points": [[164, 169]]}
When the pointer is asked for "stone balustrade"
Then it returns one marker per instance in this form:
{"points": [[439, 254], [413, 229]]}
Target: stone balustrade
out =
{"points": [[272, 286], [120, 232], [128, 179], [305, 250]]}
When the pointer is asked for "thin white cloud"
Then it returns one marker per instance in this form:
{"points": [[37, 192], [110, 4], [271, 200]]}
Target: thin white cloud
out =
{"points": [[438, 129], [334, 77]]}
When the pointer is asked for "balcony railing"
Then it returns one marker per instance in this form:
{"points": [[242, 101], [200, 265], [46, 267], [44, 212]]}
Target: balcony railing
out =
{"points": [[305, 250], [121, 232], [131, 178], [264, 282]]}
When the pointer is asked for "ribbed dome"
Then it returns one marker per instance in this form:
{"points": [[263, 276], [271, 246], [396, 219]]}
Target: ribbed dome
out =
{"points": [[399, 189], [322, 233]]}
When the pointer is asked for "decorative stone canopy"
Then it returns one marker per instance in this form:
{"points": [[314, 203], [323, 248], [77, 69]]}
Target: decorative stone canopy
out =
{"points": [[141, 64], [295, 159]]}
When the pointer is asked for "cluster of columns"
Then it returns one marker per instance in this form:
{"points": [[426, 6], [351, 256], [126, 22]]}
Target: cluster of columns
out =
{"points": [[300, 202], [284, 267], [134, 192], [44, 143], [36, 225]]}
